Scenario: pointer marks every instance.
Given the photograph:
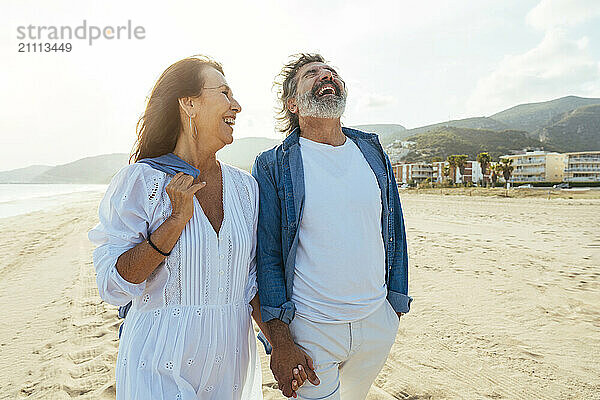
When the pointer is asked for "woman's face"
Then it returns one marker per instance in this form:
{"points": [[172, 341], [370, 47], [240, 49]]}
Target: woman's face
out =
{"points": [[215, 110]]}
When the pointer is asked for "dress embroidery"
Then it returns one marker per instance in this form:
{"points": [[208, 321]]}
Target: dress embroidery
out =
{"points": [[247, 201]]}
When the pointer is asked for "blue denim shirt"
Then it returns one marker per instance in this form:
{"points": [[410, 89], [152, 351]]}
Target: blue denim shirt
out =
{"points": [[280, 175]]}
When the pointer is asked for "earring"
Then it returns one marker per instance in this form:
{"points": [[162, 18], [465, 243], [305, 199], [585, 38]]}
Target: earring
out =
{"points": [[193, 131]]}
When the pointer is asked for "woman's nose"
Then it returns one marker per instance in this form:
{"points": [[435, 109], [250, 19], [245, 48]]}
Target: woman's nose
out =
{"points": [[235, 106]]}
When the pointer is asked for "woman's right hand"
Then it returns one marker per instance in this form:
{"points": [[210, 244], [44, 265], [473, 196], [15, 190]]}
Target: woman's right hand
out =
{"points": [[181, 191]]}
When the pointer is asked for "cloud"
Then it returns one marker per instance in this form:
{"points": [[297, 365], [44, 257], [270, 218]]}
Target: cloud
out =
{"points": [[559, 65], [549, 14], [378, 100]]}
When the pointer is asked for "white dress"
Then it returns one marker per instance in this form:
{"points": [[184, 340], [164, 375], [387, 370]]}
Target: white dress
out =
{"points": [[188, 334]]}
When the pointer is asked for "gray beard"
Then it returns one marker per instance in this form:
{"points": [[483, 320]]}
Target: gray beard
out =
{"points": [[311, 106]]}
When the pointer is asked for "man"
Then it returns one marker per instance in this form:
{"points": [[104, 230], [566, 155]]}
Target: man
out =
{"points": [[331, 254]]}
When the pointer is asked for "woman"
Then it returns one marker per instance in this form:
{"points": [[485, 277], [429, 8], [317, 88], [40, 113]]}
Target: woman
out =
{"points": [[185, 258]]}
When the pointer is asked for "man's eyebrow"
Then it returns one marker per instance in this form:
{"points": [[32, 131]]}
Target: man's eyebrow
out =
{"points": [[312, 70]]}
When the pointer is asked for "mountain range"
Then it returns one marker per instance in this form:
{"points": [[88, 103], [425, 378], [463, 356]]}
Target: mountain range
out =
{"points": [[100, 169], [566, 124]]}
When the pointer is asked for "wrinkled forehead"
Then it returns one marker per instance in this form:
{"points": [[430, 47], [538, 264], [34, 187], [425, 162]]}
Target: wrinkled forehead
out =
{"points": [[314, 67]]}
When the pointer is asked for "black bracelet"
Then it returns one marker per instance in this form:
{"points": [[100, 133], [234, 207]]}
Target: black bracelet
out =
{"points": [[156, 248]]}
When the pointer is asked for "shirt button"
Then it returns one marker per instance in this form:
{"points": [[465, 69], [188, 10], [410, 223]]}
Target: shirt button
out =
{"points": [[221, 272], [221, 256], [391, 209], [220, 290]]}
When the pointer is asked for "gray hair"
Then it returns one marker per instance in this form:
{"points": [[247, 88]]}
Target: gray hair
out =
{"points": [[287, 82]]}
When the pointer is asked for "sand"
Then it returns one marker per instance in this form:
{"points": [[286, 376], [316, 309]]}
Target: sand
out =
{"points": [[506, 303]]}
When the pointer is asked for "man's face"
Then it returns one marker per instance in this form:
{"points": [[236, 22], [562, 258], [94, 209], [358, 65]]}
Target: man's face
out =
{"points": [[320, 93]]}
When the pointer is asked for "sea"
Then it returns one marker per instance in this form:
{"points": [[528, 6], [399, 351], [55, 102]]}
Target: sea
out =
{"points": [[17, 199]]}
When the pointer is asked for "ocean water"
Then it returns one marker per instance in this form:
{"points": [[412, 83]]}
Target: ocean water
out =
{"points": [[16, 199]]}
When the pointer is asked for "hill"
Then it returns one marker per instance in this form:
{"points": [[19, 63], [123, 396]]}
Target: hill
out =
{"points": [[576, 130], [243, 151], [98, 169], [443, 142], [471, 123], [569, 123], [387, 132], [23, 175], [533, 116]]}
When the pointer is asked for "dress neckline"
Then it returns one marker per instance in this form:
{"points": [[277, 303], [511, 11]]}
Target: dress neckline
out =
{"points": [[224, 205]]}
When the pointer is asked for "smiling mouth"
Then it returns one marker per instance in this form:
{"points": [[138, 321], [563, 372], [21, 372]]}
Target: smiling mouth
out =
{"points": [[327, 89], [229, 121]]}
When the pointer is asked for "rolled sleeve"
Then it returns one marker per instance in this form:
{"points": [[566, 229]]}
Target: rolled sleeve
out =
{"points": [[118, 284], [399, 301], [123, 223], [285, 313]]}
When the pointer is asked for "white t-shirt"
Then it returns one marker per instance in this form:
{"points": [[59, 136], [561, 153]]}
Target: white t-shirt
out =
{"points": [[340, 262]]}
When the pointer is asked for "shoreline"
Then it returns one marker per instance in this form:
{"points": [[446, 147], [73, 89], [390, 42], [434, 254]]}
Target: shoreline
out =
{"points": [[541, 193]]}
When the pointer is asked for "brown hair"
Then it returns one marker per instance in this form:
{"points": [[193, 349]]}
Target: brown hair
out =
{"points": [[287, 82], [159, 127]]}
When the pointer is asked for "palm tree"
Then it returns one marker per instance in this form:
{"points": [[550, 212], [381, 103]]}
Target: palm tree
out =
{"points": [[446, 172], [505, 166], [452, 167], [494, 173], [457, 161], [484, 159]]}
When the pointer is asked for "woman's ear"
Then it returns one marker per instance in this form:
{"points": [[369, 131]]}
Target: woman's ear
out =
{"points": [[187, 105]]}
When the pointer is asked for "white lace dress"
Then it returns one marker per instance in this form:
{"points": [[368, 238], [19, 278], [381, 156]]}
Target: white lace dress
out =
{"points": [[188, 334]]}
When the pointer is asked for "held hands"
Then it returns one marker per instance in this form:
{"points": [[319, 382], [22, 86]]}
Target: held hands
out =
{"points": [[291, 367], [300, 376], [181, 191]]}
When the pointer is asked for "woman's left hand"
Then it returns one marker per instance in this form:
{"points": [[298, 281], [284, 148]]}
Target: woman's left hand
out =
{"points": [[299, 377]]}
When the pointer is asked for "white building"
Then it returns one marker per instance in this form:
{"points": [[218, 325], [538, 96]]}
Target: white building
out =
{"points": [[582, 166], [537, 166], [420, 172]]}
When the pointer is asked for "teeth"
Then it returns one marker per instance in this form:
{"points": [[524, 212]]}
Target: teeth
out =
{"points": [[230, 121], [325, 88]]}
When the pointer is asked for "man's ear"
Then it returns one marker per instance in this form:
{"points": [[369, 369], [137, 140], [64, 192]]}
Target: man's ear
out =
{"points": [[292, 106]]}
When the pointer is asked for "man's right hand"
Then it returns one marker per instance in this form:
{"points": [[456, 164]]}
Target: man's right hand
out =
{"points": [[286, 358]]}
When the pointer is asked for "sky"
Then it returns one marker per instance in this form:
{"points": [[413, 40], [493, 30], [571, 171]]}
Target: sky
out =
{"points": [[404, 62]]}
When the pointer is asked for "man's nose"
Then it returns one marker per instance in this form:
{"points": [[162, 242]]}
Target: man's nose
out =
{"points": [[326, 75]]}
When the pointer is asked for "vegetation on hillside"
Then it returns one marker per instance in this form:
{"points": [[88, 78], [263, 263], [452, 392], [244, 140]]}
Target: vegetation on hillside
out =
{"points": [[444, 142], [576, 130]]}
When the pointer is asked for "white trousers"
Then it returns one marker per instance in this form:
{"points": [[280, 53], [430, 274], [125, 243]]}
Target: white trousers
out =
{"points": [[347, 356]]}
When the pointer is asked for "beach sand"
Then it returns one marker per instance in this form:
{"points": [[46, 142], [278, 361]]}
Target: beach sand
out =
{"points": [[506, 303]]}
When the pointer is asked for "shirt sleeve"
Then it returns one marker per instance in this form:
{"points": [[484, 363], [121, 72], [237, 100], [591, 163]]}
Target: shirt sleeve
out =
{"points": [[269, 253], [252, 285], [398, 279], [123, 223]]}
